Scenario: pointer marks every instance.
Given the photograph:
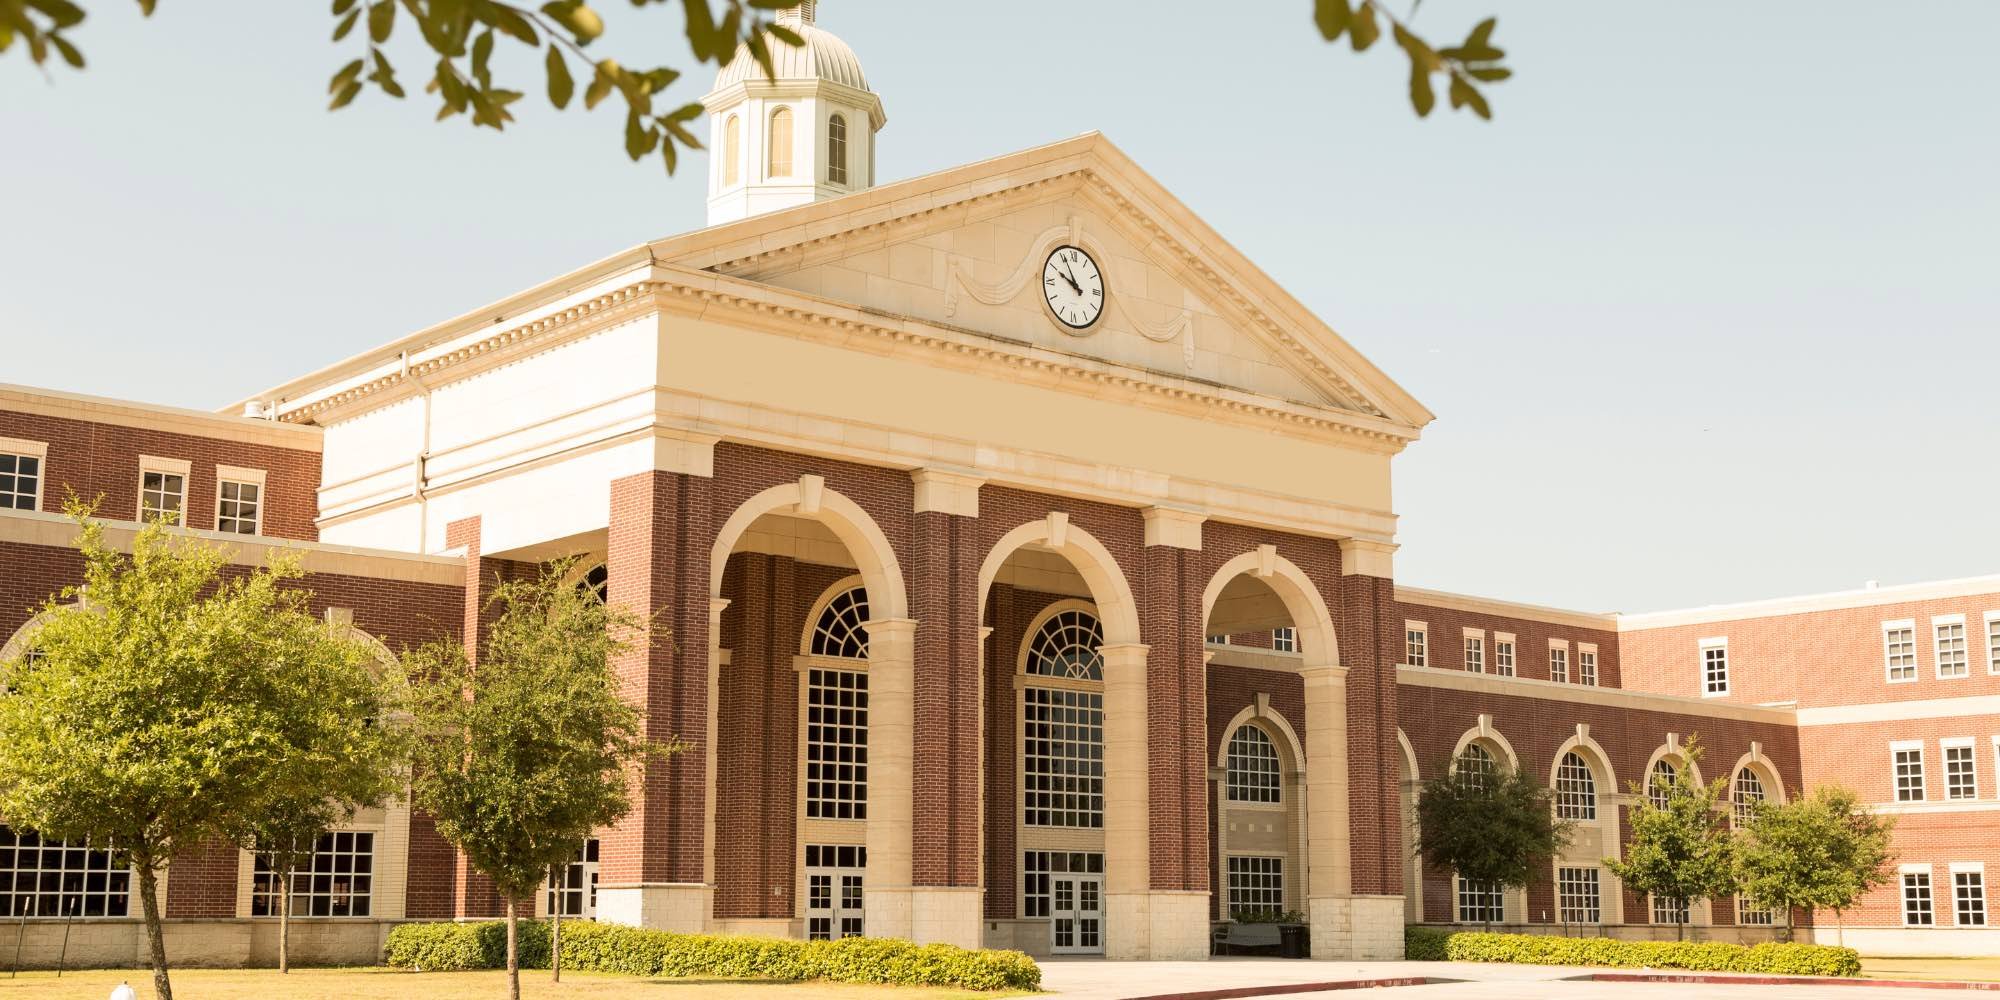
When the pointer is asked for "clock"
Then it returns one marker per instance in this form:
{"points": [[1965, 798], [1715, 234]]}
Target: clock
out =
{"points": [[1073, 287]]}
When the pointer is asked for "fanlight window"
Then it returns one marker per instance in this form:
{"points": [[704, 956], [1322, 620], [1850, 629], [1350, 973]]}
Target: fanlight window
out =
{"points": [[836, 150], [1477, 761], [1748, 790], [1253, 772], [1663, 777], [781, 143], [1068, 645], [839, 630], [1576, 789], [732, 150]]}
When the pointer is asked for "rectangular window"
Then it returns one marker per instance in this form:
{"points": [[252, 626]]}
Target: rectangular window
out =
{"points": [[1586, 665], [1062, 757], [57, 878], [1479, 902], [1899, 651], [21, 474], [337, 882], [1038, 866], [163, 489], [574, 888], [1416, 644], [1503, 655], [1750, 914], [836, 744], [1285, 640], [1917, 899], [1577, 896], [1993, 642], [1670, 910], [1968, 896], [1256, 885], [1475, 653], [1559, 664], [1714, 668], [1218, 640], [1961, 776], [239, 500], [1909, 771], [1949, 632]]}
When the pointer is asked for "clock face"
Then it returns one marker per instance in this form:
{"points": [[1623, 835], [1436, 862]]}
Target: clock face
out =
{"points": [[1073, 287]]}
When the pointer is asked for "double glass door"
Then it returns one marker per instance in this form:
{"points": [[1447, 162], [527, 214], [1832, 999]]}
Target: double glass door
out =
{"points": [[1076, 907], [833, 891]]}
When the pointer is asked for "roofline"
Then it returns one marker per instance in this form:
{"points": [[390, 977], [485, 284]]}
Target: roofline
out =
{"points": [[1836, 600], [155, 416]]}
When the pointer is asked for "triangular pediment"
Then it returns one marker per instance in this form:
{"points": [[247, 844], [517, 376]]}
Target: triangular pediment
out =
{"points": [[965, 249]]}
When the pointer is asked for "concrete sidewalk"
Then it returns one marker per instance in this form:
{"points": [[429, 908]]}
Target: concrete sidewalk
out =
{"points": [[1096, 979]]}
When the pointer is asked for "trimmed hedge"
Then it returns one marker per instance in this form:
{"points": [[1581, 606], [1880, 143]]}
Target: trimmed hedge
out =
{"points": [[635, 951], [1431, 944]]}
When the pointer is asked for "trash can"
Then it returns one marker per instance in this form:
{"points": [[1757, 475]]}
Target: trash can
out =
{"points": [[1292, 941]]}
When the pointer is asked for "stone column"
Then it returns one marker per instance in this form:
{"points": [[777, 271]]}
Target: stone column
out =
{"points": [[656, 868], [1128, 916], [944, 599], [1329, 843], [886, 892]]}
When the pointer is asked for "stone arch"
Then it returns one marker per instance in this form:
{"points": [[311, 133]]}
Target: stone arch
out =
{"points": [[1284, 736], [17, 643], [881, 572], [1409, 755], [1317, 643], [1766, 772], [1109, 590], [1485, 733], [1673, 751], [1406, 799], [1593, 754], [1291, 804]]}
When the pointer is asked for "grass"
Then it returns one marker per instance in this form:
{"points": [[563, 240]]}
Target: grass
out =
{"points": [[1931, 968], [397, 984]]}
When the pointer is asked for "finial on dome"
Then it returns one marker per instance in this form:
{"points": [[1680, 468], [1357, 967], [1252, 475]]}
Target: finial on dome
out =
{"points": [[802, 14]]}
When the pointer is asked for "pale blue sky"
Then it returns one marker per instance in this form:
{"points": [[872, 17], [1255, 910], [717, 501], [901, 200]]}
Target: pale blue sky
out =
{"points": [[1708, 312]]}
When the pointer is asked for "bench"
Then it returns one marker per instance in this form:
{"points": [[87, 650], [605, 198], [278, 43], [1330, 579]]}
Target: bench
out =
{"points": [[1235, 935]]}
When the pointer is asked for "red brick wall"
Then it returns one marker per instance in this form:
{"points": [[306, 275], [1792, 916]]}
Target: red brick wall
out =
{"points": [[1009, 612], [96, 459], [1446, 630], [203, 882]]}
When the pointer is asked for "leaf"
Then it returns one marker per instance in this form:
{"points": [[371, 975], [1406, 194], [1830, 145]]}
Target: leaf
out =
{"points": [[1422, 97], [577, 17], [1464, 94], [146, 7], [344, 77], [510, 21], [638, 139], [675, 124], [346, 24], [600, 85], [342, 6], [482, 51], [385, 75], [762, 53], [69, 53], [346, 94], [1332, 17], [381, 20], [1363, 31], [1489, 74], [561, 86], [786, 35], [62, 13]]}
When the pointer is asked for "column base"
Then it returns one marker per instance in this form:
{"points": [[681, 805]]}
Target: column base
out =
{"points": [[947, 915], [888, 912], [681, 907], [1356, 928], [1159, 925]]}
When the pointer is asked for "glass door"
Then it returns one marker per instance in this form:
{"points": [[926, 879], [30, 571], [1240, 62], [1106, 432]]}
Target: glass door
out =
{"points": [[833, 891], [1078, 911]]}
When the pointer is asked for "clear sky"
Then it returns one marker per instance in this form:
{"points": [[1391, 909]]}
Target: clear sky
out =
{"points": [[1710, 312]]}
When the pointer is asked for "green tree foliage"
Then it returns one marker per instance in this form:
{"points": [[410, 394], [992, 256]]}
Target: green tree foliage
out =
{"points": [[1681, 846], [521, 757], [167, 700], [1488, 823], [461, 36], [1823, 850]]}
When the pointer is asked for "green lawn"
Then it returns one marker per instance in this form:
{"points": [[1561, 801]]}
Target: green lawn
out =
{"points": [[396, 984], [1931, 968]]}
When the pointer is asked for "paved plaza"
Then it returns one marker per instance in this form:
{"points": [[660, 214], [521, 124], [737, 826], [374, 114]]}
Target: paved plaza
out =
{"points": [[1101, 980]]}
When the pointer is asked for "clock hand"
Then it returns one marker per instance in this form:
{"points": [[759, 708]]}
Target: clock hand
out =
{"points": [[1067, 276]]}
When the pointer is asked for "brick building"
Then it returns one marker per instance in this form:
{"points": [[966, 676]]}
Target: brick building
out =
{"points": [[1028, 556]]}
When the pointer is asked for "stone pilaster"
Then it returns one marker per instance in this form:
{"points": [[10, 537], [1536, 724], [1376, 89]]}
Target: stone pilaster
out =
{"points": [[656, 868], [890, 910]]}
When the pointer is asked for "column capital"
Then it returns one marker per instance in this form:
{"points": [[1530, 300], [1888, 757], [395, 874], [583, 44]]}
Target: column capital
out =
{"points": [[1124, 652], [1367, 557], [946, 491], [890, 629], [684, 451], [1173, 527], [1324, 673]]}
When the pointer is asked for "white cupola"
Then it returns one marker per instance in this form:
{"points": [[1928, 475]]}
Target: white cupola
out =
{"points": [[804, 135]]}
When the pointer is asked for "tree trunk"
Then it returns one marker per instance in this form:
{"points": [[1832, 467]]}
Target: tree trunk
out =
{"points": [[149, 897], [555, 925], [1840, 928], [285, 921], [1791, 933], [513, 955]]}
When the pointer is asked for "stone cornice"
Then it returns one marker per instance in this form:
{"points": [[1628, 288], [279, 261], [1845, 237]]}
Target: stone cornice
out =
{"points": [[1489, 685]]}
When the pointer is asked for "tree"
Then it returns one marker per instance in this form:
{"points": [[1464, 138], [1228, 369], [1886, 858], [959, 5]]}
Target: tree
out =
{"points": [[462, 35], [1681, 846], [166, 695], [343, 756], [1823, 850], [1488, 823], [525, 753]]}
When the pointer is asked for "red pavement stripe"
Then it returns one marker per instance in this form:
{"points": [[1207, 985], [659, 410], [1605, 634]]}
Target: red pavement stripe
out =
{"points": [[1697, 978], [1283, 988]]}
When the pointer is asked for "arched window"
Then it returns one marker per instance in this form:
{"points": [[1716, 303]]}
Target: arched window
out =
{"points": [[1576, 789], [1663, 777], [1746, 791], [780, 143], [596, 582], [836, 150], [1253, 774], [732, 150], [1477, 761], [838, 631], [1068, 645]]}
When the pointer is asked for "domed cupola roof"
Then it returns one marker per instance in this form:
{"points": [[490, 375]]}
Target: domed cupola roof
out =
{"points": [[823, 57]]}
